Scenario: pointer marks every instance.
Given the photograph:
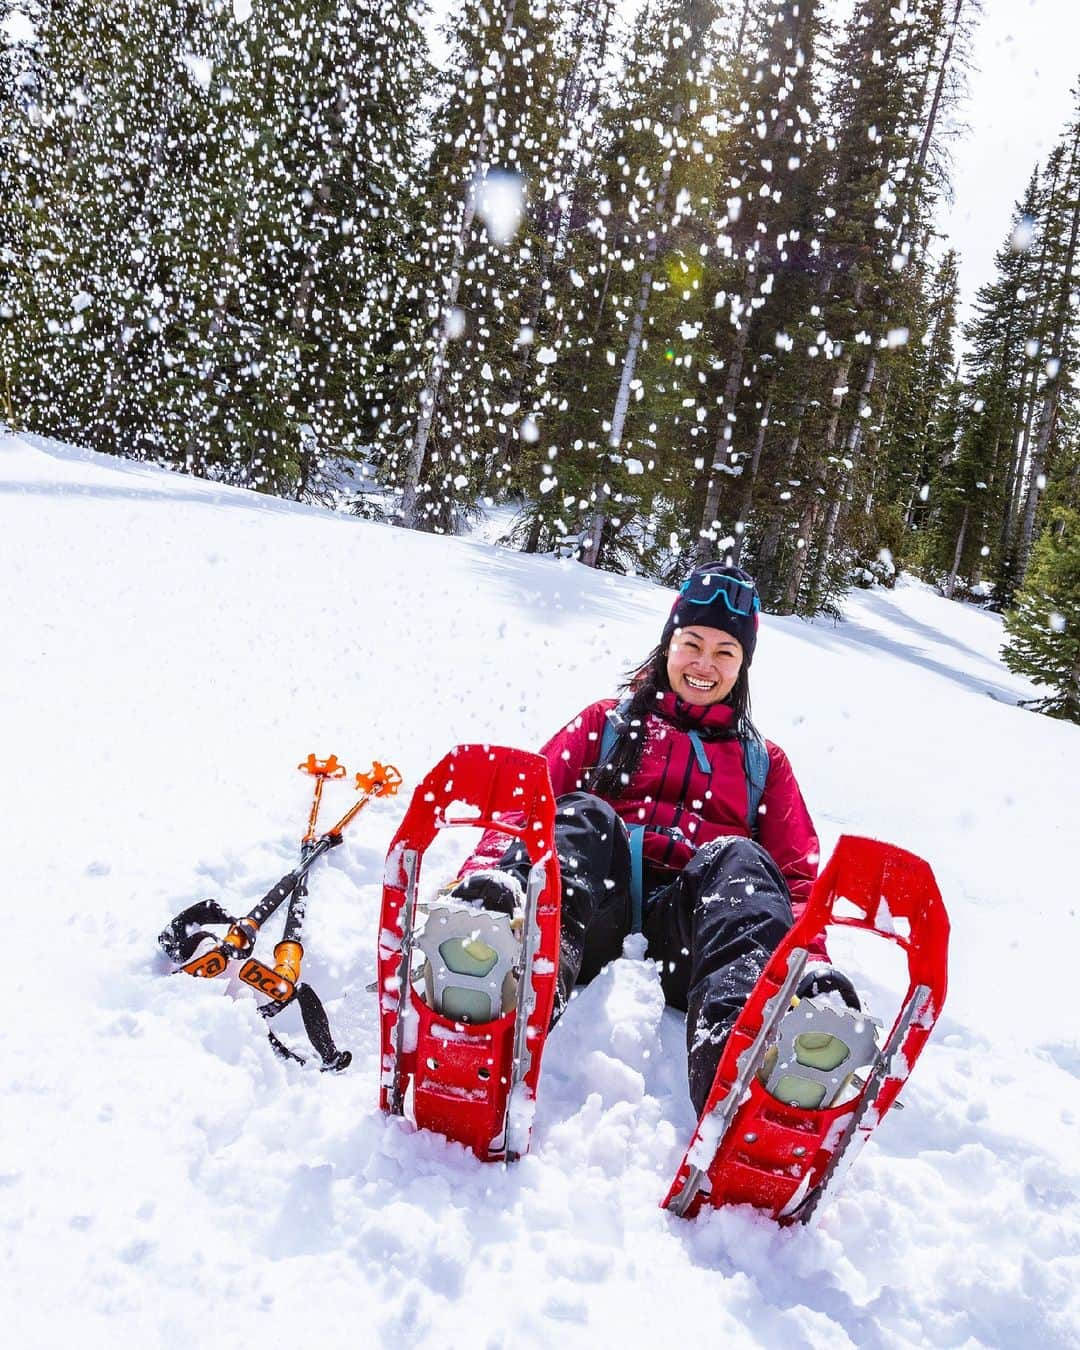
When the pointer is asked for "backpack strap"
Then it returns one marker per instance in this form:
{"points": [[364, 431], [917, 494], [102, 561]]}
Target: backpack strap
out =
{"points": [[756, 767], [702, 758], [636, 836], [637, 876], [615, 723]]}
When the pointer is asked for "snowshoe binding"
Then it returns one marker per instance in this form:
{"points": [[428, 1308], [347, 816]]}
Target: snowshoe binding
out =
{"points": [[472, 961]]}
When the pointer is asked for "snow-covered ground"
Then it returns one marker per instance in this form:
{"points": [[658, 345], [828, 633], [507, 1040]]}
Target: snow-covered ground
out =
{"points": [[171, 650]]}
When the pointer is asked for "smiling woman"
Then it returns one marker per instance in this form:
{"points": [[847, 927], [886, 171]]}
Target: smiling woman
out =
{"points": [[677, 820], [703, 664]]}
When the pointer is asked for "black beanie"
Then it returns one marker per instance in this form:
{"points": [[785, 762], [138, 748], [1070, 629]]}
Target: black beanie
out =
{"points": [[717, 596]]}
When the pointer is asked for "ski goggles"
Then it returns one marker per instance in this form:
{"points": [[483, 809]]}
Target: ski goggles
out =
{"points": [[736, 595]]}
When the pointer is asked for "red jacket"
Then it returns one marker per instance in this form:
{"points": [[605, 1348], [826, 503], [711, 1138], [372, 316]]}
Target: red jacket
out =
{"points": [[669, 790]]}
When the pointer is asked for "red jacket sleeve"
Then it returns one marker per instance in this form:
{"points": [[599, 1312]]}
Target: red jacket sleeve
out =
{"points": [[570, 754]]}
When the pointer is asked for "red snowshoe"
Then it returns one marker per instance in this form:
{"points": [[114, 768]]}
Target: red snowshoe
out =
{"points": [[772, 1148], [466, 1028]]}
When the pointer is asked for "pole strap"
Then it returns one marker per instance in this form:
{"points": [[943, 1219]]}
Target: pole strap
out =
{"points": [[316, 1025]]}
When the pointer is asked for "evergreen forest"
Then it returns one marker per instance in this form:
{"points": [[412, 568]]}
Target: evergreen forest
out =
{"points": [[665, 279]]}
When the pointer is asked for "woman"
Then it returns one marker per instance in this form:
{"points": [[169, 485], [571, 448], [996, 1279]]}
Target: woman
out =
{"points": [[677, 784]]}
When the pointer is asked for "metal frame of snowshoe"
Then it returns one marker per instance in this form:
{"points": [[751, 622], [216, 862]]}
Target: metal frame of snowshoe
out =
{"points": [[464, 1074], [525, 1004], [850, 1141], [854, 1030], [775, 1156], [411, 865], [717, 1117], [454, 920]]}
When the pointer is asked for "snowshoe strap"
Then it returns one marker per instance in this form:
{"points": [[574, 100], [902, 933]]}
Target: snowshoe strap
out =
{"points": [[829, 981]]}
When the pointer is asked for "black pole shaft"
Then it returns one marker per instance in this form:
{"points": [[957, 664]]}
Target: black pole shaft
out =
{"points": [[286, 886], [294, 919]]}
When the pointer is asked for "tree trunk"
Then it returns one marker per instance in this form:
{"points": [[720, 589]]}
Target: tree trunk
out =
{"points": [[722, 449], [958, 553], [746, 505], [854, 443], [765, 565], [1052, 390], [591, 556], [939, 89], [811, 512], [1027, 400], [429, 395]]}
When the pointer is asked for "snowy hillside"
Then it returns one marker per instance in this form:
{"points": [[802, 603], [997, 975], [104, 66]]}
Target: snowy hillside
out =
{"points": [[171, 651]]}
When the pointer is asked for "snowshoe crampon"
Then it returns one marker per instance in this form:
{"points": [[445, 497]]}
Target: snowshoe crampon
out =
{"points": [[468, 1032], [754, 1147]]}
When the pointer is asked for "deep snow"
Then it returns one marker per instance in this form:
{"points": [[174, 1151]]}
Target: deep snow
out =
{"points": [[171, 651]]}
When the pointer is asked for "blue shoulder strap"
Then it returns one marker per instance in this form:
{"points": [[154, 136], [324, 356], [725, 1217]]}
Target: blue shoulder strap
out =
{"points": [[614, 724], [756, 767]]}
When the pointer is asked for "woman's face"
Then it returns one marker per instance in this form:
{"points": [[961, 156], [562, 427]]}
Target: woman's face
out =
{"points": [[703, 664]]}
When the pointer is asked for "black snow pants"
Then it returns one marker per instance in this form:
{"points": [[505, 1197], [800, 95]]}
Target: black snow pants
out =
{"points": [[712, 926]]}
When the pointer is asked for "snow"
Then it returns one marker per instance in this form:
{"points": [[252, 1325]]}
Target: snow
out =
{"points": [[501, 203], [173, 649]]}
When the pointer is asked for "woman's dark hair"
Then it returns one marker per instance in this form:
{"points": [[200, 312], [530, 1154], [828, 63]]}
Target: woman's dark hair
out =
{"points": [[645, 683]]}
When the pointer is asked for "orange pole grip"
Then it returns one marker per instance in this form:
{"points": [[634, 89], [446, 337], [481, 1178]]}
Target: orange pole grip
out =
{"points": [[323, 768], [287, 959]]}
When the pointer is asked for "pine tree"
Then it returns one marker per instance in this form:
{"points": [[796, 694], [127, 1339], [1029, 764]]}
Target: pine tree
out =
{"points": [[968, 498], [1058, 350], [771, 206], [923, 388], [629, 294], [497, 151], [206, 229], [1044, 627], [1054, 210], [884, 174]]}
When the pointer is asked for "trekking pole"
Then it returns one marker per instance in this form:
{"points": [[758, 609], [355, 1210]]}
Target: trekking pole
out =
{"points": [[282, 983], [383, 781], [279, 983], [289, 952], [181, 946]]}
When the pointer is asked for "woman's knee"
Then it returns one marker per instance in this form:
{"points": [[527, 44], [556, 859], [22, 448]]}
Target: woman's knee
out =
{"points": [[735, 854], [585, 807], [589, 835], [741, 874]]}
